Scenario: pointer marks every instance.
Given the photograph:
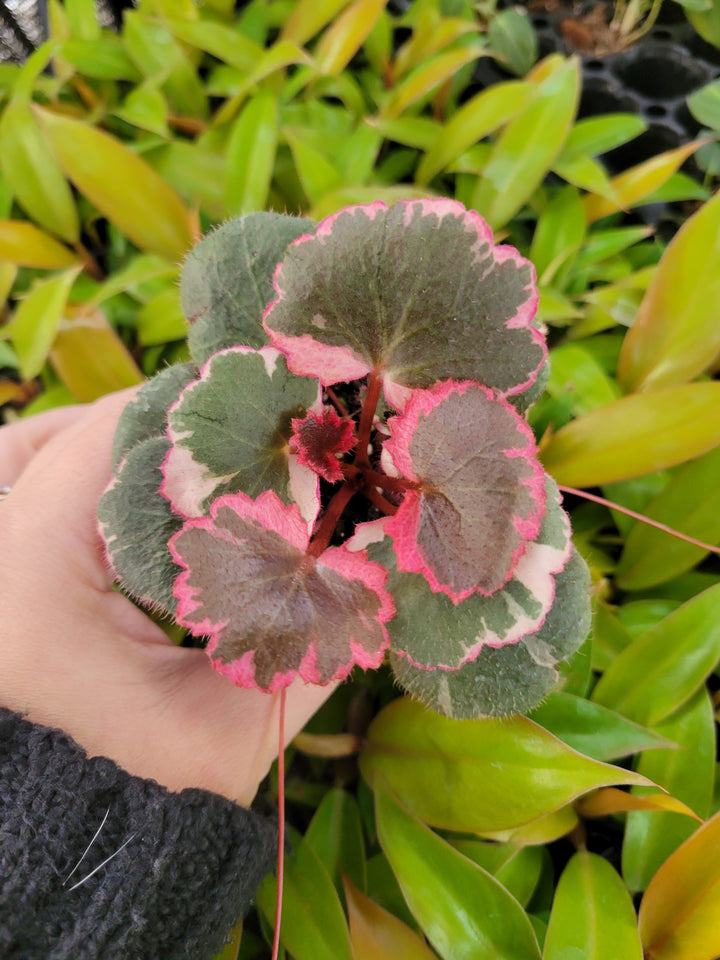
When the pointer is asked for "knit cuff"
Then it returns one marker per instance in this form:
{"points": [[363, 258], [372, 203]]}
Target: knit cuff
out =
{"points": [[184, 865]]}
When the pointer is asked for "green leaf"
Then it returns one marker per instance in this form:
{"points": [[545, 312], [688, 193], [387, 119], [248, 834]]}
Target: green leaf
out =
{"points": [[227, 280], [316, 173], [675, 335], [82, 17], [517, 867], [34, 174], [23, 244], [221, 41], [689, 503], [313, 924], [462, 909], [501, 680], [137, 523], [195, 171], [335, 835], [575, 373], [704, 105], [230, 429], [36, 321], [344, 37], [559, 232], [101, 58], [593, 730], [596, 135], [428, 76], [136, 271], [665, 666], [146, 107], [592, 916], [309, 17], [528, 146], [623, 439], [688, 774], [135, 198], [477, 776], [585, 173], [512, 35], [161, 319]]}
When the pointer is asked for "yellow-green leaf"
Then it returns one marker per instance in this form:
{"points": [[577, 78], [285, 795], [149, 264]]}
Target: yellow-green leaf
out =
{"points": [[426, 77], [221, 41], [488, 110], [251, 155], [33, 328], [679, 912], [676, 333], [635, 435], [634, 185], [122, 185], [548, 828], [309, 17], [528, 146], [90, 358], [376, 934], [611, 800], [34, 174], [161, 318], [342, 40], [23, 244]]}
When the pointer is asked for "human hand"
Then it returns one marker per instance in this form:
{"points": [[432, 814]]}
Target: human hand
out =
{"points": [[79, 656]]}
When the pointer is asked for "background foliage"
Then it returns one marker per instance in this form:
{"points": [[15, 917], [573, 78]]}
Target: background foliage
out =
{"points": [[418, 836]]}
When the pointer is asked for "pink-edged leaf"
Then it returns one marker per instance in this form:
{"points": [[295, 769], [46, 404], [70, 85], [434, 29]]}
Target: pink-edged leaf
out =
{"points": [[319, 439], [432, 632], [416, 292], [230, 429], [480, 493], [271, 611]]}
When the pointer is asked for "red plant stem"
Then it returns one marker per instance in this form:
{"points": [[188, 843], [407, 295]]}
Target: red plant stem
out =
{"points": [[389, 509], [281, 825], [377, 479], [321, 537], [336, 401], [374, 386], [641, 517]]}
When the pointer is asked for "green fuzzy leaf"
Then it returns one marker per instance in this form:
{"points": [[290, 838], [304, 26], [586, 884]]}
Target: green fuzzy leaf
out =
{"points": [[227, 280], [146, 414], [510, 679], [137, 521], [230, 428], [477, 776], [593, 916], [594, 730], [415, 290], [463, 910]]}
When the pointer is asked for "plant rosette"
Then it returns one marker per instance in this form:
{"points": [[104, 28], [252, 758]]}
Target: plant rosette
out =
{"points": [[344, 470]]}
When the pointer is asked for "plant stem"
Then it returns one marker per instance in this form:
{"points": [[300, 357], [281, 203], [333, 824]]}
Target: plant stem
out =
{"points": [[90, 264], [641, 517], [389, 509], [377, 479], [281, 825], [374, 386], [321, 537]]}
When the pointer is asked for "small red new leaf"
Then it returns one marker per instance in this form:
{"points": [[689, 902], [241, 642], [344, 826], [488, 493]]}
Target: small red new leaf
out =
{"points": [[271, 611], [319, 439], [481, 493]]}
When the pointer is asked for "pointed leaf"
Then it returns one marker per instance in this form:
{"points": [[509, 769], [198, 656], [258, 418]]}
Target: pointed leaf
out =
{"points": [[528, 145], [611, 800], [676, 335], [227, 280], [135, 198], [418, 326], [688, 774], [23, 244], [313, 924], [34, 174], [378, 935], [36, 321], [485, 112], [594, 730], [621, 439], [161, 319], [477, 776], [517, 868], [230, 429], [592, 916], [560, 231], [145, 416], [137, 522], [251, 154], [505, 680], [633, 186], [90, 357], [309, 17], [277, 612], [664, 666], [679, 912], [335, 835], [343, 38], [596, 135], [223, 42], [429, 75], [485, 487], [463, 910]]}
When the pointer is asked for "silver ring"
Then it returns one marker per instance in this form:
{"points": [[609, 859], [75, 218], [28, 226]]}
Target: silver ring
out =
{"points": [[4, 491]]}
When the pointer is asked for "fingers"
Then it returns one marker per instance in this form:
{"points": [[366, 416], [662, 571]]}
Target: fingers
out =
{"points": [[19, 442]]}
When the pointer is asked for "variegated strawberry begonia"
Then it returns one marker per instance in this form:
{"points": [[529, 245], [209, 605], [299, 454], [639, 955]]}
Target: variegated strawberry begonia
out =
{"points": [[344, 471]]}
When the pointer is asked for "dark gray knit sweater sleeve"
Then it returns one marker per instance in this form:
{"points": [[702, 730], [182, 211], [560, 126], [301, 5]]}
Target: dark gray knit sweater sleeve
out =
{"points": [[186, 864]]}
